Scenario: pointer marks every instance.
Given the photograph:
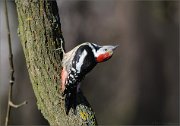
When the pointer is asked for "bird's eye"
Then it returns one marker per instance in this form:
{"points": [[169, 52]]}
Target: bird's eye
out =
{"points": [[105, 49]]}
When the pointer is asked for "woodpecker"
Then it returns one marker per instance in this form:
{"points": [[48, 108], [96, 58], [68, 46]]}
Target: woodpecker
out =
{"points": [[76, 64]]}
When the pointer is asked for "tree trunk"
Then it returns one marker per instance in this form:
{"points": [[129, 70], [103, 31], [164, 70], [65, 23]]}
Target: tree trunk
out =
{"points": [[40, 34]]}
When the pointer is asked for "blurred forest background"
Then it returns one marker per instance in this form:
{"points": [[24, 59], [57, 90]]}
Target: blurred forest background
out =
{"points": [[139, 85]]}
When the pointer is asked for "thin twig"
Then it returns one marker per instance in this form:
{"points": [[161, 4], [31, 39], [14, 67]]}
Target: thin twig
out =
{"points": [[17, 106], [11, 82]]}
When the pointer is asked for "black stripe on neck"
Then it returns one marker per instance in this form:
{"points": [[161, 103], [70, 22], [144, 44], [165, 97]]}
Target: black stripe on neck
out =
{"points": [[96, 47]]}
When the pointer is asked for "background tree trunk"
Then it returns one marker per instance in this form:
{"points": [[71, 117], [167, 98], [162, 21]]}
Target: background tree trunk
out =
{"points": [[40, 33]]}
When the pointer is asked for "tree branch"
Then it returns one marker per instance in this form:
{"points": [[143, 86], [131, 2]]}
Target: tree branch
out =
{"points": [[17, 106], [12, 79], [40, 34]]}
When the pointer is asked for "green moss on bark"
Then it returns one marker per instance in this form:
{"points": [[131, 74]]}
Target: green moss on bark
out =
{"points": [[40, 33]]}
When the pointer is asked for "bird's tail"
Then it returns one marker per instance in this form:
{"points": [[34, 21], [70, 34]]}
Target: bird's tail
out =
{"points": [[71, 100]]}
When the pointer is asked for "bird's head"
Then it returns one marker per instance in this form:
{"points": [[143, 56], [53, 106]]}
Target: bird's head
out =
{"points": [[103, 53]]}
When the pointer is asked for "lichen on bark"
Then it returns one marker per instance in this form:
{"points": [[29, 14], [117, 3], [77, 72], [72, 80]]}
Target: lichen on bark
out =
{"points": [[40, 34]]}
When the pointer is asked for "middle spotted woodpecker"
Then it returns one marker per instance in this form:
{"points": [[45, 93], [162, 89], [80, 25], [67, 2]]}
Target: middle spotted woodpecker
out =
{"points": [[76, 64]]}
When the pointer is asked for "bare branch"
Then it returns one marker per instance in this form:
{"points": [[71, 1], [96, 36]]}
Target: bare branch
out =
{"points": [[11, 82], [17, 106]]}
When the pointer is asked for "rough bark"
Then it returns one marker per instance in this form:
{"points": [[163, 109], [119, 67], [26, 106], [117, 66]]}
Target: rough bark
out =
{"points": [[40, 34]]}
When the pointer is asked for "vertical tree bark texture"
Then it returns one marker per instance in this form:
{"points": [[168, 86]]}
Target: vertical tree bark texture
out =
{"points": [[40, 33]]}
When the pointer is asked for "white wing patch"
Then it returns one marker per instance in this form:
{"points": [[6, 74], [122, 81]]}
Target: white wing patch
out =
{"points": [[81, 60]]}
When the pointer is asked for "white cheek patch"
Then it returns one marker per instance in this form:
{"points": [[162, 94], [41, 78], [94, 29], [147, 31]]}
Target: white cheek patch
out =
{"points": [[81, 60], [99, 52]]}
